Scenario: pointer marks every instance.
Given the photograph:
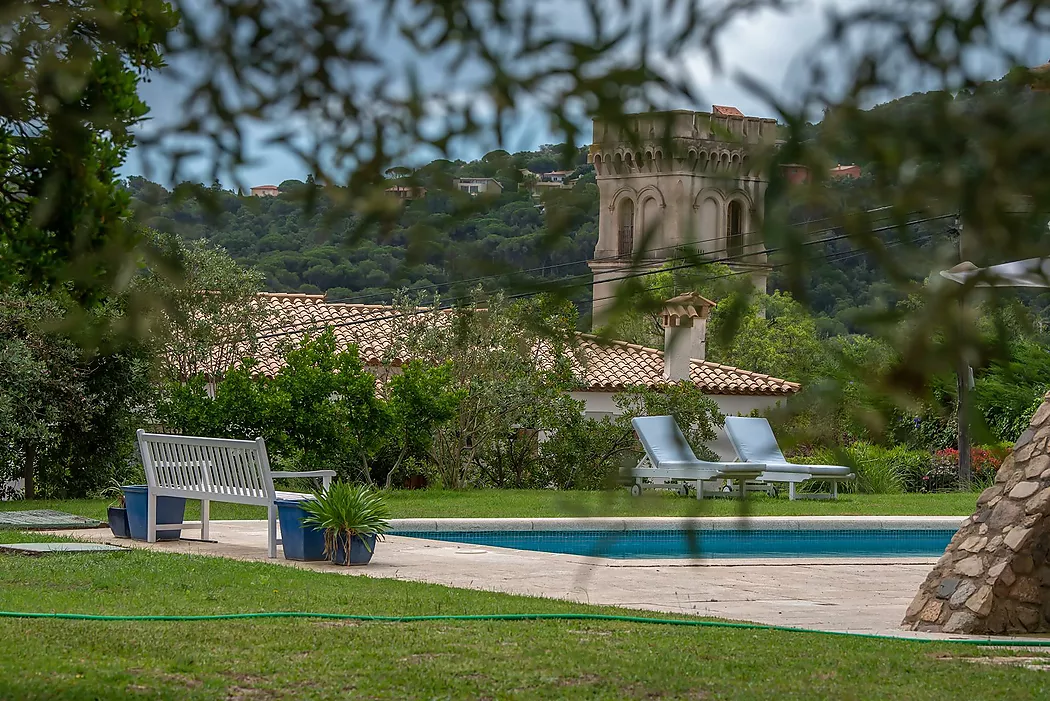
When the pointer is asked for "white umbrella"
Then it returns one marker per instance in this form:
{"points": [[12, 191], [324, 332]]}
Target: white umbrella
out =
{"points": [[1033, 272]]}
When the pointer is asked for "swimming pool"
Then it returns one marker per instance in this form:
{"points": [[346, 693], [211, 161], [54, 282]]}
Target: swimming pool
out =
{"points": [[722, 543]]}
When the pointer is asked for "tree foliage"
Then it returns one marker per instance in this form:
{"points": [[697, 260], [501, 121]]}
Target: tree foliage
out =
{"points": [[511, 362], [321, 410], [68, 105], [204, 311], [428, 246], [67, 415]]}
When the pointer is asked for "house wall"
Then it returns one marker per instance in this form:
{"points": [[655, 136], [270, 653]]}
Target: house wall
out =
{"points": [[599, 404]]}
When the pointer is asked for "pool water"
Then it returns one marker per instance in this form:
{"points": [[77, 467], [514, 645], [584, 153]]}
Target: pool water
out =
{"points": [[709, 543]]}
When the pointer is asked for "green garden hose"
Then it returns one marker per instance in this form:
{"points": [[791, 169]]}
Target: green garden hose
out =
{"points": [[514, 617]]}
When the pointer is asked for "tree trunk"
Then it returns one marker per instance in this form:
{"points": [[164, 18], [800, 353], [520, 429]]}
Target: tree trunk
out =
{"points": [[390, 475], [28, 469]]}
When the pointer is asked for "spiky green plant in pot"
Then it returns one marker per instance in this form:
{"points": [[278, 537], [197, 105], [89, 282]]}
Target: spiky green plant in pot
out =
{"points": [[353, 518], [117, 512]]}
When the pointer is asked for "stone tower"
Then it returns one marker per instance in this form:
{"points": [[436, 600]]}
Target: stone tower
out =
{"points": [[678, 182]]}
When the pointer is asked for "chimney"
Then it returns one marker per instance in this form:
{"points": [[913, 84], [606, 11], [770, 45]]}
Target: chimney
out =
{"points": [[685, 334]]}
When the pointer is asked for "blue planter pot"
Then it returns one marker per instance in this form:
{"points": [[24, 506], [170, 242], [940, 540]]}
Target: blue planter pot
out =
{"points": [[118, 521], [170, 511], [359, 554], [299, 542]]}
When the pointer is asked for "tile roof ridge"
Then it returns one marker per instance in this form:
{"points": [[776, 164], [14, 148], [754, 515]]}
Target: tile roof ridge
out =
{"points": [[749, 373], [291, 295], [617, 342], [358, 305]]}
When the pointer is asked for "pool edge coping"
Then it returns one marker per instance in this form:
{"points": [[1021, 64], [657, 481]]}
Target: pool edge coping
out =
{"points": [[678, 523]]}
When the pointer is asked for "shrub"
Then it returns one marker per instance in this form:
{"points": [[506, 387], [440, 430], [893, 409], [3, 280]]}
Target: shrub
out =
{"points": [[944, 468], [587, 453], [319, 411], [346, 511], [879, 470]]}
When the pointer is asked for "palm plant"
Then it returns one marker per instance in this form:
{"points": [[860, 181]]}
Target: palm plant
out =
{"points": [[115, 492], [345, 511]]}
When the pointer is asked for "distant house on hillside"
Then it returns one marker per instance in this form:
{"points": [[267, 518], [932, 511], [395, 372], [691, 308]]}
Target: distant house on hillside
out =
{"points": [[407, 192], [265, 191], [546, 186], [603, 368], [842, 172], [478, 186], [556, 176], [798, 174], [795, 173]]}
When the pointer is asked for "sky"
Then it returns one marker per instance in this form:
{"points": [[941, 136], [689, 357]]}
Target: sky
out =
{"points": [[769, 47]]}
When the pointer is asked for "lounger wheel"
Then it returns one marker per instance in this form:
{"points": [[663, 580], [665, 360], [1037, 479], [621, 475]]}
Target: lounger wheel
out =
{"points": [[636, 490], [683, 490], [727, 488]]}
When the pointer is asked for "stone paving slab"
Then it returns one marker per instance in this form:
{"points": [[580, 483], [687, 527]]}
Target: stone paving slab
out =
{"points": [[37, 519], [46, 548]]}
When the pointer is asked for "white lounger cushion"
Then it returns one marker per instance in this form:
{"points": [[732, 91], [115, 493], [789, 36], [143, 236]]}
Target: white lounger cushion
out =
{"points": [[815, 470], [754, 442], [667, 448]]}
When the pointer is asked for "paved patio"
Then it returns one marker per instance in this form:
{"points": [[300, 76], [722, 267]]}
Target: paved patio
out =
{"points": [[856, 595]]}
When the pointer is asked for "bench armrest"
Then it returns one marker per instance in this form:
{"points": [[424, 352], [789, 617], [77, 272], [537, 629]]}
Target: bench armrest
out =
{"points": [[325, 475]]}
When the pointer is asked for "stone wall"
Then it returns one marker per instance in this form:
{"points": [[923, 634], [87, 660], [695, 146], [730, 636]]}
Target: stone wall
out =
{"points": [[994, 577]]}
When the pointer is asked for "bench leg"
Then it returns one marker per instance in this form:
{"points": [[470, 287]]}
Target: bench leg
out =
{"points": [[835, 489], [271, 518], [151, 517], [791, 491], [205, 516]]}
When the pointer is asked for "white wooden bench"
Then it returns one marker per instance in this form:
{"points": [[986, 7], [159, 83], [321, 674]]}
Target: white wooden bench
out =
{"points": [[214, 469]]}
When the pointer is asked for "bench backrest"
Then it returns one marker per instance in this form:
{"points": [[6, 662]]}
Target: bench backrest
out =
{"points": [[222, 468]]}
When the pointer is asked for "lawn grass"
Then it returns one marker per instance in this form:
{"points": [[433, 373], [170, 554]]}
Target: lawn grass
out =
{"points": [[495, 503], [271, 659]]}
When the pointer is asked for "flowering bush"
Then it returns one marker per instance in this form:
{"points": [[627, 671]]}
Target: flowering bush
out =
{"points": [[944, 468]]}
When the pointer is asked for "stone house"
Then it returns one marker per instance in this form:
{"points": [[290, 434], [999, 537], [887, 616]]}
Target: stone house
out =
{"points": [[604, 368]]}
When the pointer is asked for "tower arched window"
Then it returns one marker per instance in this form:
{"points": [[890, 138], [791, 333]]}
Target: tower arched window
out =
{"points": [[735, 229], [625, 229]]}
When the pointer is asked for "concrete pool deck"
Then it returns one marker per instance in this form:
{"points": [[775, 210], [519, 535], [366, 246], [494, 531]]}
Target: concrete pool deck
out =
{"points": [[858, 595]]}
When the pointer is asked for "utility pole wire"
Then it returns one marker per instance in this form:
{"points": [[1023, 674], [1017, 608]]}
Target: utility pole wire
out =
{"points": [[313, 326]]}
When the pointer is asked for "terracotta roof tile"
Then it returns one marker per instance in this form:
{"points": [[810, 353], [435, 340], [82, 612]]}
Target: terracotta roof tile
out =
{"points": [[614, 365], [725, 111], [602, 365]]}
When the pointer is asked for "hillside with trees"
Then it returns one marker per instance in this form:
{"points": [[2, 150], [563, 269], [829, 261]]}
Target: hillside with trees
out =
{"points": [[317, 246], [519, 237]]}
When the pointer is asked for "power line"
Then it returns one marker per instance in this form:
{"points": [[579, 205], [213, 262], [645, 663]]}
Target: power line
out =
{"points": [[362, 298], [539, 269], [833, 258], [587, 280], [309, 326]]}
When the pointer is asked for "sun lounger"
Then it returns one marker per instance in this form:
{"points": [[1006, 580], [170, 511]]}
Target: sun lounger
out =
{"points": [[669, 462], [755, 443]]}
